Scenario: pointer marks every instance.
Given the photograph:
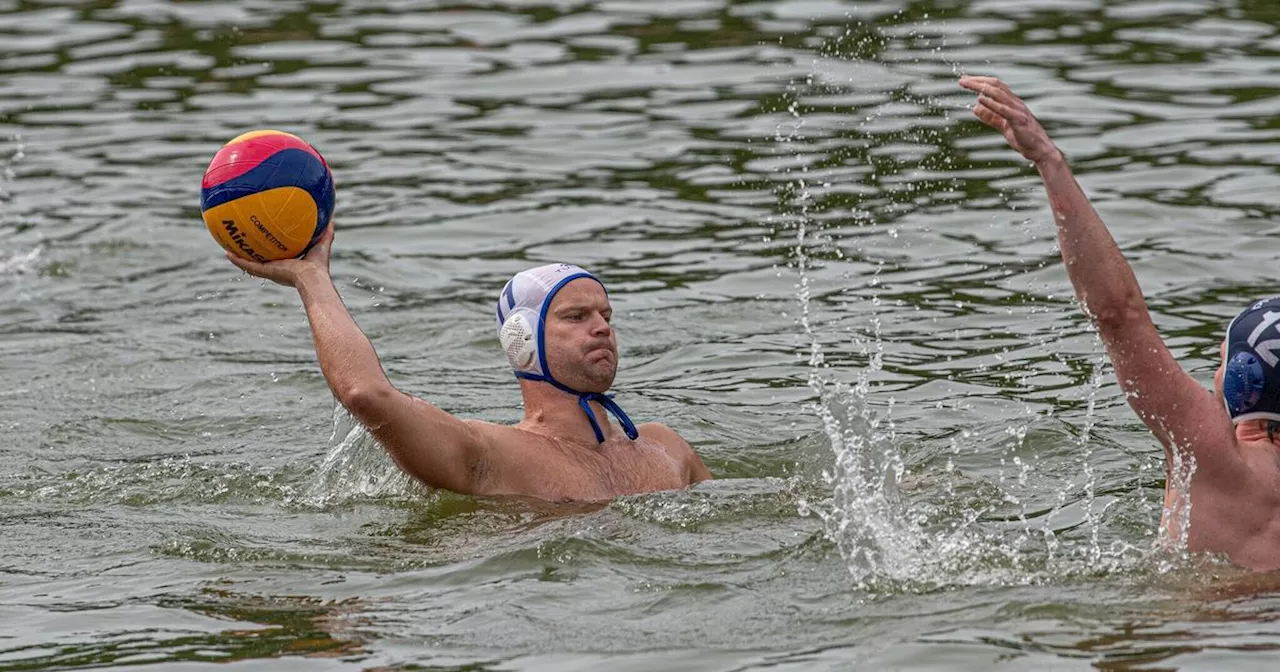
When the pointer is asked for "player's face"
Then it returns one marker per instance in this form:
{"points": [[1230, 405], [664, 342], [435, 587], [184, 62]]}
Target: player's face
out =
{"points": [[582, 348]]}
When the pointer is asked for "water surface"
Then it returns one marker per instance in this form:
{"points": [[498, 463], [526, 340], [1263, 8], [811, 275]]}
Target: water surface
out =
{"points": [[841, 289]]}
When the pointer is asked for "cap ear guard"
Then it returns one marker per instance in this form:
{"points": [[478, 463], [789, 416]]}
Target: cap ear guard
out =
{"points": [[518, 340], [1243, 383]]}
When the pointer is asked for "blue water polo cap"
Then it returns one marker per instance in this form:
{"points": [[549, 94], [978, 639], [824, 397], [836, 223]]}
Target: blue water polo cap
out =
{"points": [[522, 315], [1251, 380]]}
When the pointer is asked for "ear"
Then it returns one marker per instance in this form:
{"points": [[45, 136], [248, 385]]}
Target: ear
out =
{"points": [[519, 339], [1243, 383]]}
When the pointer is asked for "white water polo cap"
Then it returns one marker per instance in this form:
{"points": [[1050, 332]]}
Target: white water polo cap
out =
{"points": [[522, 314]]}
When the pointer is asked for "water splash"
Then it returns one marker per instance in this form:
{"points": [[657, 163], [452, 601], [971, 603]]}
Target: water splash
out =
{"points": [[19, 263], [865, 516], [356, 468], [901, 531], [7, 173], [892, 537], [1175, 519]]}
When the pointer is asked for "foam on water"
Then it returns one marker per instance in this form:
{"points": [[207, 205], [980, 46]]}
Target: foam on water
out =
{"points": [[18, 262], [354, 469]]}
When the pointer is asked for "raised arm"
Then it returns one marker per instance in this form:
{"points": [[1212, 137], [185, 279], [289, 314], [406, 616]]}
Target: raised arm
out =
{"points": [[428, 443], [1177, 409]]}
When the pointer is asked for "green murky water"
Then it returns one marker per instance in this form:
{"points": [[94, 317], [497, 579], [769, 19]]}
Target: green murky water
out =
{"points": [[838, 286]]}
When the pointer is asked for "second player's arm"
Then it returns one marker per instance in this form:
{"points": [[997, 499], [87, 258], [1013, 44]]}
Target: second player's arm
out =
{"points": [[1178, 410]]}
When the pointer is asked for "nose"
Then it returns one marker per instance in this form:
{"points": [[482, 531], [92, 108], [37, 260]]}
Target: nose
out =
{"points": [[599, 326]]}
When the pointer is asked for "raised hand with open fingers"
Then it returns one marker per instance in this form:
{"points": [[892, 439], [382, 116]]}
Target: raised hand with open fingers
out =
{"points": [[1000, 109]]}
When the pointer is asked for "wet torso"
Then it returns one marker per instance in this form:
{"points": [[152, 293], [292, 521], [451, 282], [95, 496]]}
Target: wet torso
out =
{"points": [[531, 464], [1238, 515]]}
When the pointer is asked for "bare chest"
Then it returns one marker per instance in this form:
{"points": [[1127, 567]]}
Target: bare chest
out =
{"points": [[603, 472]]}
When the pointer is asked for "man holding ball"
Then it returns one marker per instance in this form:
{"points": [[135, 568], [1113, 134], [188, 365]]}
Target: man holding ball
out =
{"points": [[554, 326]]}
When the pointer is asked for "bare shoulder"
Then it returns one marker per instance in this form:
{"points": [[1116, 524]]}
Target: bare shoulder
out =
{"points": [[670, 440], [1239, 464], [511, 456], [677, 448], [506, 440]]}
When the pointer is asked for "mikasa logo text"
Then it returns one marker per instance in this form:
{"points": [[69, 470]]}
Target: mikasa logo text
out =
{"points": [[238, 237]]}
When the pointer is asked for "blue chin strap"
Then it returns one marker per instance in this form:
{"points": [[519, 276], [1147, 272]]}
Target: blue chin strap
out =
{"points": [[584, 401]]}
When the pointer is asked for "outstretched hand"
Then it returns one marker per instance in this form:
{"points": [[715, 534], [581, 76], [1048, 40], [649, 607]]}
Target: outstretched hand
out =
{"points": [[287, 271], [1000, 109]]}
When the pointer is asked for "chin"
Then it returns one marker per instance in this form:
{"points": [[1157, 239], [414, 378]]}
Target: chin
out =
{"points": [[599, 384]]}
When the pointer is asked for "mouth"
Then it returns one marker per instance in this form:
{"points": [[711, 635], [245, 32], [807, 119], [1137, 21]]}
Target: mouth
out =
{"points": [[601, 352]]}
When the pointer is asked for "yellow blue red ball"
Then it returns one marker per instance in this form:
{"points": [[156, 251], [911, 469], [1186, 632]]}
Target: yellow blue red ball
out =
{"points": [[267, 195]]}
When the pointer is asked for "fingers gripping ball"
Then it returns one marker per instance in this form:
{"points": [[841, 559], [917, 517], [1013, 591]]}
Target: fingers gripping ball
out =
{"points": [[267, 195]]}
